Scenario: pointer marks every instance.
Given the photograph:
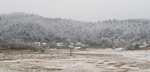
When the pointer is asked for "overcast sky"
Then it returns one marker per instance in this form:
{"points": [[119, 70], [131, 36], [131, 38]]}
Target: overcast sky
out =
{"points": [[83, 10]]}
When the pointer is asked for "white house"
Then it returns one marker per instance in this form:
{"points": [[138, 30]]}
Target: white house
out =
{"points": [[60, 44], [44, 43], [71, 45], [78, 44]]}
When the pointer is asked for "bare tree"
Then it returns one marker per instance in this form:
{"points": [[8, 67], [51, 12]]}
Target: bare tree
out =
{"points": [[71, 51]]}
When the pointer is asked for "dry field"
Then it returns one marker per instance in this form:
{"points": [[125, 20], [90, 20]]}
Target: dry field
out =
{"points": [[91, 60]]}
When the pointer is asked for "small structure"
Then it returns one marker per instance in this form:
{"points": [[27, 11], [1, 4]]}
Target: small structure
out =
{"points": [[44, 43], [71, 45], [60, 44], [17, 40], [119, 49], [148, 42], [37, 43], [144, 44], [77, 48], [78, 44]]}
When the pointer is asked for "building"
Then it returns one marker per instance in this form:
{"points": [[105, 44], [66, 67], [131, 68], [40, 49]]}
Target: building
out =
{"points": [[60, 44], [78, 44], [37, 43], [71, 45], [17, 40]]}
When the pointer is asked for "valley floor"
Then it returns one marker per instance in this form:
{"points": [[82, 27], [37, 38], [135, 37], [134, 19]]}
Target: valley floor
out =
{"points": [[91, 60]]}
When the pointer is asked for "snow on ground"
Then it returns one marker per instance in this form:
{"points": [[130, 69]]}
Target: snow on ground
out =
{"points": [[91, 60]]}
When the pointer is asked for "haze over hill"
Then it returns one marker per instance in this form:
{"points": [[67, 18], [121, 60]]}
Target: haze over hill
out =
{"points": [[33, 27], [82, 10]]}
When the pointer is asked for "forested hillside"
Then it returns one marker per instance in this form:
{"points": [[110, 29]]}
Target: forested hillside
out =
{"points": [[37, 28]]}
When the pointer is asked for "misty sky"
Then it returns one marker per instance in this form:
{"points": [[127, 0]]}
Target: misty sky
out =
{"points": [[83, 10]]}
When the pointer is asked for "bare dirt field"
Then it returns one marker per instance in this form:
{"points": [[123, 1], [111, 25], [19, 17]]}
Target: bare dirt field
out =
{"points": [[91, 60]]}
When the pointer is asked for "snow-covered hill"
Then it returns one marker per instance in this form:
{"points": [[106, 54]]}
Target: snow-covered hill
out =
{"points": [[37, 28]]}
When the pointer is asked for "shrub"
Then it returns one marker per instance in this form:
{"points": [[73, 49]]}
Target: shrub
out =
{"points": [[136, 46], [34, 47], [18, 45], [42, 50], [129, 47]]}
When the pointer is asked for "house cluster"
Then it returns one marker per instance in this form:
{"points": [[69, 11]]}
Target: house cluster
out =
{"points": [[40, 44], [77, 45], [116, 43], [59, 45], [126, 44]]}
